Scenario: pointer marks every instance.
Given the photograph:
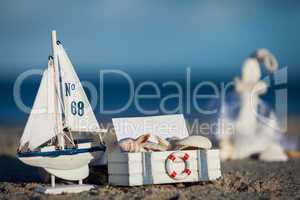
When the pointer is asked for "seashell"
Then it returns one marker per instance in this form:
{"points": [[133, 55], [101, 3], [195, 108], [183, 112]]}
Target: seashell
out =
{"points": [[168, 143], [163, 142], [141, 144], [193, 142], [151, 146], [143, 138], [134, 145], [129, 145]]}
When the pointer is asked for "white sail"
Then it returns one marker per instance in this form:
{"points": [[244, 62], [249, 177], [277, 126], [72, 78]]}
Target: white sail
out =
{"points": [[41, 124], [79, 116]]}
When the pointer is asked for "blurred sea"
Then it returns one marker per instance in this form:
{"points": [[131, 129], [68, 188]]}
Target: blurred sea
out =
{"points": [[116, 92]]}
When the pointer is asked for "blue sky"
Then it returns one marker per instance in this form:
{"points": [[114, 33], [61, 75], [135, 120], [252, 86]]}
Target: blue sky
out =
{"points": [[151, 39], [212, 35]]}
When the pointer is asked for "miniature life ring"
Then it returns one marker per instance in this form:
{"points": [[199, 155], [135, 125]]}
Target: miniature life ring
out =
{"points": [[170, 165]]}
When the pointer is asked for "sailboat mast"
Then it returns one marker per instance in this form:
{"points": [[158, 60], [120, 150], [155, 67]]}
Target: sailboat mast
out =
{"points": [[58, 109]]}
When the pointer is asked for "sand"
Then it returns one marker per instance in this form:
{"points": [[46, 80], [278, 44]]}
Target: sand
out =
{"points": [[247, 179]]}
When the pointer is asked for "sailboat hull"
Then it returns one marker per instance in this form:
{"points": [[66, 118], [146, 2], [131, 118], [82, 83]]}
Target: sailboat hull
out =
{"points": [[72, 174], [69, 164]]}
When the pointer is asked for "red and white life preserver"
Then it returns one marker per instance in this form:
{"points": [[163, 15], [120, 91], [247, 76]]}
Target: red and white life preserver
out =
{"points": [[170, 165]]}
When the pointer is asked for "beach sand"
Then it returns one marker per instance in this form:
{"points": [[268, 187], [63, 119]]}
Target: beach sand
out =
{"points": [[247, 179]]}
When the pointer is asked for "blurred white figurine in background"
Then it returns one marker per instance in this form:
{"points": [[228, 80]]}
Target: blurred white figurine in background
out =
{"points": [[255, 129]]}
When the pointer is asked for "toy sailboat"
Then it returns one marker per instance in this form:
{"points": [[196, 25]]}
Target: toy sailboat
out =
{"points": [[61, 108]]}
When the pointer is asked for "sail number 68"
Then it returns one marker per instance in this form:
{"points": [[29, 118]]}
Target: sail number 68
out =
{"points": [[77, 108]]}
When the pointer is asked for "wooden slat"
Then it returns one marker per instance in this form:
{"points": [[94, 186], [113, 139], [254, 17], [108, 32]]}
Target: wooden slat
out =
{"points": [[128, 168]]}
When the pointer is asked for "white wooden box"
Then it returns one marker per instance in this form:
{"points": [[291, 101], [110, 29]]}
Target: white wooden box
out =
{"points": [[133, 169]]}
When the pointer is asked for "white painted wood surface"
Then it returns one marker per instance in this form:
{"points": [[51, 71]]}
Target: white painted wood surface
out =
{"points": [[165, 126], [60, 189], [132, 169]]}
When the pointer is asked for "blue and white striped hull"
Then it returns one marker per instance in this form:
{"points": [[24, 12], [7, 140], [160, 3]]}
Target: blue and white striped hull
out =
{"points": [[69, 164]]}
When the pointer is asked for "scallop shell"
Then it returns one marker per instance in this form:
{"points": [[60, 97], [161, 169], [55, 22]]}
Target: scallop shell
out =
{"points": [[130, 145], [134, 145], [193, 142], [151, 146], [163, 142], [141, 144]]}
